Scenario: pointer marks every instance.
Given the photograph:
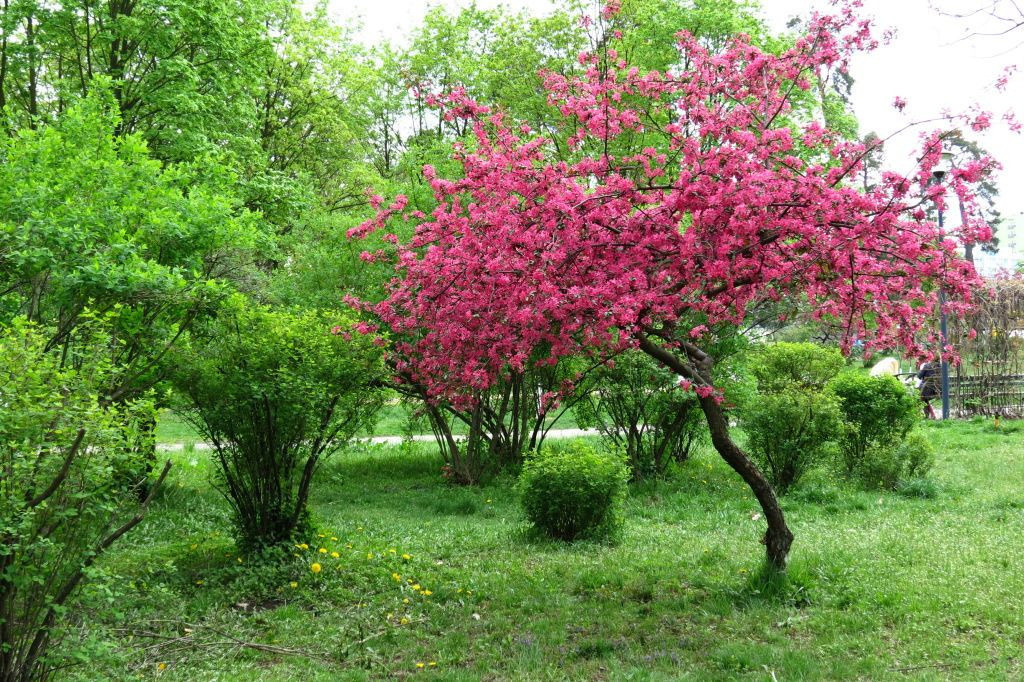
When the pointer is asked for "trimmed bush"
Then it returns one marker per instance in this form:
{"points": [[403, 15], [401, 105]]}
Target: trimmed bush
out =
{"points": [[805, 366], [879, 413], [791, 432], [575, 492]]}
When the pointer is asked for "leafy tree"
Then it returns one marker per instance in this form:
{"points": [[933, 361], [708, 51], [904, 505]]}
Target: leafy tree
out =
{"points": [[531, 254], [90, 223]]}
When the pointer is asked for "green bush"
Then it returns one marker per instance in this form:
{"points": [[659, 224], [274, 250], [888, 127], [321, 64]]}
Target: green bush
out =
{"points": [[879, 413], [574, 492], [639, 408], [891, 468], [791, 432], [274, 392], [68, 489], [806, 366]]}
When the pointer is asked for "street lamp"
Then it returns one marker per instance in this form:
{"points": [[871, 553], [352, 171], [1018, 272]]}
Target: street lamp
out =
{"points": [[939, 173]]}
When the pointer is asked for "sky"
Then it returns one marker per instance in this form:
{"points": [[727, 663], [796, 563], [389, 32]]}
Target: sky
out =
{"points": [[931, 62]]}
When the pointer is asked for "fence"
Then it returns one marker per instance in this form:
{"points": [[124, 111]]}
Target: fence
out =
{"points": [[990, 378]]}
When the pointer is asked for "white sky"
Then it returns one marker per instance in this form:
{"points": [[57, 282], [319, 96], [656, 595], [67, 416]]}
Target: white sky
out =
{"points": [[926, 64]]}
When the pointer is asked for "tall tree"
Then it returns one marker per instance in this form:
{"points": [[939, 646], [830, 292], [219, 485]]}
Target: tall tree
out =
{"points": [[530, 257]]}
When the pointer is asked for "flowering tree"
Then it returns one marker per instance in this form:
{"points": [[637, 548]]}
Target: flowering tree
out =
{"points": [[738, 199]]}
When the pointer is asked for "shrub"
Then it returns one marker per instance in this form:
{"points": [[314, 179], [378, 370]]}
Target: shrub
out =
{"points": [[274, 392], [806, 366], [791, 432], [879, 412], [574, 493], [68, 482], [890, 468], [639, 408]]}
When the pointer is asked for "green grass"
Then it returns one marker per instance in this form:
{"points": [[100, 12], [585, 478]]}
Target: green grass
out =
{"points": [[393, 420], [881, 586]]}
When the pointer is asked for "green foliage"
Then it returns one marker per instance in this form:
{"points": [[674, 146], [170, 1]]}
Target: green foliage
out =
{"points": [[803, 366], [879, 413], [89, 221], [274, 392], [791, 432], [68, 479], [574, 492], [639, 408], [891, 468]]}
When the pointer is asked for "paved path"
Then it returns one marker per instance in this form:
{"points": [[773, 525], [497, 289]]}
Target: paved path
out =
{"points": [[395, 440]]}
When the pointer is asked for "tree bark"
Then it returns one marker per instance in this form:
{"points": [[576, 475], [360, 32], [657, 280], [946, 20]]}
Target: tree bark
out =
{"points": [[697, 368]]}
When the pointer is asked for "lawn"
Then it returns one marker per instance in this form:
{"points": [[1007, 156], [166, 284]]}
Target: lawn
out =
{"points": [[446, 583]]}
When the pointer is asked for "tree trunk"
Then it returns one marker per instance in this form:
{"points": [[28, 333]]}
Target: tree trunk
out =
{"points": [[778, 537], [697, 368]]}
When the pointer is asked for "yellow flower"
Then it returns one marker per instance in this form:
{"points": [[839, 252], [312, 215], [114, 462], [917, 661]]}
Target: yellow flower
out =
{"points": [[200, 582], [303, 546], [416, 587], [334, 539], [420, 664], [432, 664], [405, 601], [427, 593], [161, 666], [369, 555], [293, 584], [335, 555], [323, 550], [407, 556], [348, 545], [239, 559], [397, 578], [404, 621], [393, 551], [320, 535], [315, 568]]}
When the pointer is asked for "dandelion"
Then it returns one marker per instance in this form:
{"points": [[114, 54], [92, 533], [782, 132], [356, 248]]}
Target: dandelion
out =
{"points": [[239, 560], [161, 666], [393, 551], [405, 601], [407, 556], [432, 664], [303, 546], [421, 664], [320, 535], [335, 555], [334, 539], [293, 584], [416, 587], [200, 582], [348, 545], [315, 568], [404, 621], [369, 555], [323, 550], [397, 578], [427, 593]]}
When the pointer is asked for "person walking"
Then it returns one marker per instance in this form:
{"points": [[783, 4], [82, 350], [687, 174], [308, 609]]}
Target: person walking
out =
{"points": [[928, 385]]}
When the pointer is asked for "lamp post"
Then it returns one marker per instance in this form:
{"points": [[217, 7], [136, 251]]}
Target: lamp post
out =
{"points": [[939, 173]]}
